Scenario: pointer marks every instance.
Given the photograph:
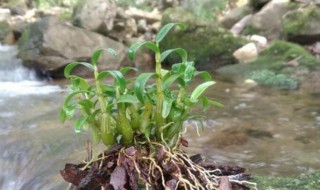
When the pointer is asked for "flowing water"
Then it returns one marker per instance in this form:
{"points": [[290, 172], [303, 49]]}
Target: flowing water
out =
{"points": [[268, 131]]}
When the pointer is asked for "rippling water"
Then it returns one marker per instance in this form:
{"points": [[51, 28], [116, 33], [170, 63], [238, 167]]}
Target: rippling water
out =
{"points": [[268, 131]]}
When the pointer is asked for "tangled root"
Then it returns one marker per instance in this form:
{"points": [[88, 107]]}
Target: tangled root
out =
{"points": [[155, 167]]}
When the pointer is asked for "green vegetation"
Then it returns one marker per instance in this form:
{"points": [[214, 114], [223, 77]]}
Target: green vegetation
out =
{"points": [[303, 182], [269, 78], [208, 45], [270, 68], [135, 109], [298, 21]]}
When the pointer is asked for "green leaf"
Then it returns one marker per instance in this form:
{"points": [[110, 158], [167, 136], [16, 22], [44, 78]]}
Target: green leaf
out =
{"points": [[70, 96], [117, 75], [63, 115], [204, 74], [128, 99], [95, 56], [189, 73], [199, 90], [124, 70], [170, 80], [167, 104], [215, 103], [136, 46], [181, 52], [140, 85], [79, 83], [79, 123], [71, 66], [166, 28]]}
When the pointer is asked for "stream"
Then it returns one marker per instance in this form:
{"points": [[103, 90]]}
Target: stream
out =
{"points": [[268, 131]]}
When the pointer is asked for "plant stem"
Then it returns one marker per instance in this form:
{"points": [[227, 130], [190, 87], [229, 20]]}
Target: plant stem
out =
{"points": [[106, 132], [159, 104]]}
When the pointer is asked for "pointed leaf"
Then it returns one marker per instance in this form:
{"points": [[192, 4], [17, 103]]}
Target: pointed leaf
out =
{"points": [[140, 85], [79, 123], [181, 52], [68, 69], [189, 73], [204, 74], [170, 80], [167, 104], [95, 56], [136, 46], [199, 90], [215, 103], [124, 70], [117, 75], [128, 99], [166, 28]]}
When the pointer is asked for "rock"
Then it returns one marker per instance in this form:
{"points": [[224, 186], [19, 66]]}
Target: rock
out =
{"points": [[209, 45], [49, 44], [95, 15], [142, 25], [267, 22], [4, 30], [311, 83], [156, 26], [247, 53], [124, 28], [235, 16], [270, 68], [258, 4], [314, 48], [239, 26], [5, 14], [137, 14], [260, 41], [302, 25]]}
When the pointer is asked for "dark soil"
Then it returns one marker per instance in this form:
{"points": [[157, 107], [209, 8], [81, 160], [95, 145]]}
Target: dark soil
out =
{"points": [[152, 167]]}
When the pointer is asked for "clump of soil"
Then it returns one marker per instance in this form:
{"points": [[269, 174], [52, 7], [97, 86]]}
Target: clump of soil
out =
{"points": [[153, 166]]}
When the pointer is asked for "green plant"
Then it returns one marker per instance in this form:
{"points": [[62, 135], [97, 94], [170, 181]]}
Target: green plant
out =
{"points": [[136, 109]]}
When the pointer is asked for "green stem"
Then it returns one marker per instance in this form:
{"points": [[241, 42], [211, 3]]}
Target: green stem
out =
{"points": [[107, 135], [159, 104]]}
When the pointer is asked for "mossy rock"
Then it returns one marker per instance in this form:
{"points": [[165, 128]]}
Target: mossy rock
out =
{"points": [[209, 45], [303, 182], [302, 25], [271, 62], [4, 30]]}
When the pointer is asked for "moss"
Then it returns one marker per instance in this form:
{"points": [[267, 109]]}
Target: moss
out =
{"points": [[250, 30], [298, 21], [66, 16], [210, 46], [269, 78], [269, 69], [286, 51], [4, 29], [303, 182]]}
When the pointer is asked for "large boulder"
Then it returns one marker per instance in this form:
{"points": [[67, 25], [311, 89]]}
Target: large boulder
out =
{"points": [[302, 25], [49, 44], [268, 21], [235, 16], [95, 15], [210, 46]]}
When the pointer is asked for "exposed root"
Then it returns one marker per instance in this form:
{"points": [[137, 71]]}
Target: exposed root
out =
{"points": [[153, 166]]}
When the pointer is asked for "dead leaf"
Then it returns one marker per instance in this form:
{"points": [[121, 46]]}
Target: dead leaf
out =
{"points": [[118, 178]]}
